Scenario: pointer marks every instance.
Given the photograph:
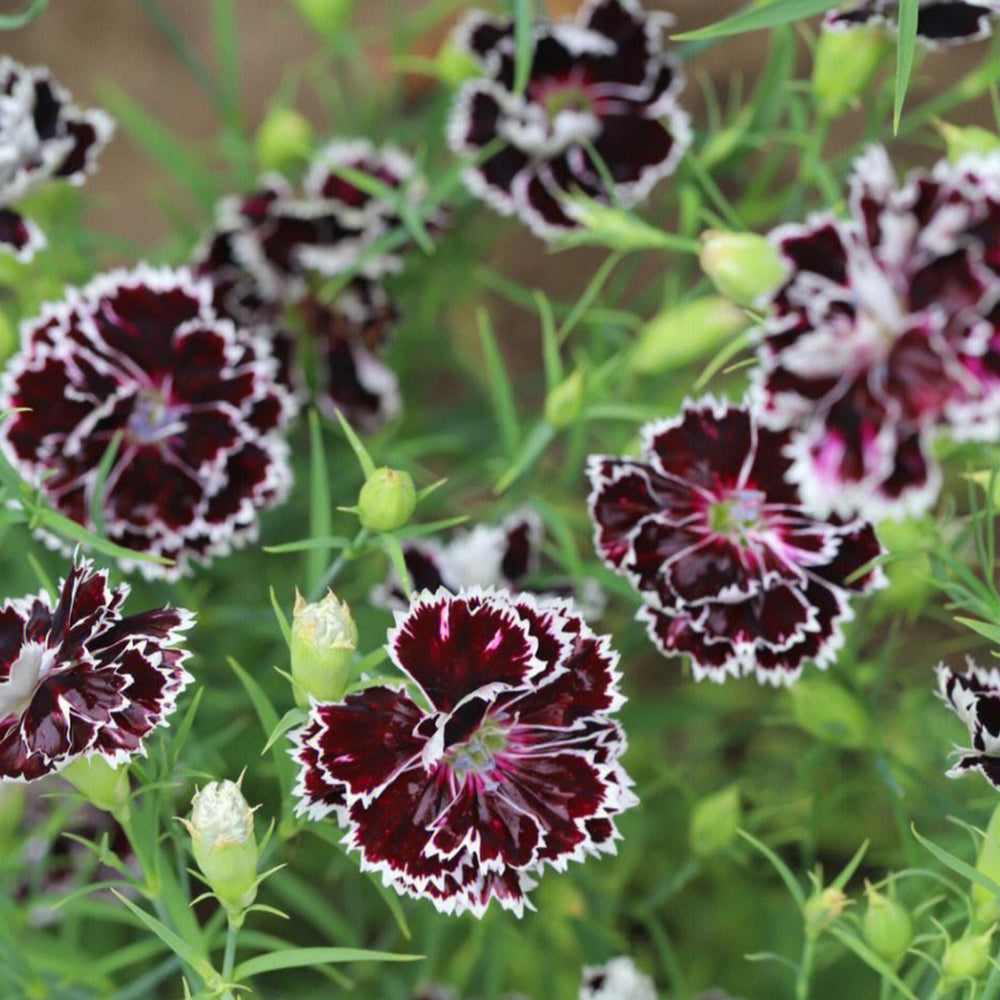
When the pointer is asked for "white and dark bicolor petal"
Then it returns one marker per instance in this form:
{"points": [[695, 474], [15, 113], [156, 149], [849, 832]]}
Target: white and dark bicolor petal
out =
{"points": [[618, 979], [939, 22], [195, 399], [974, 696], [78, 679], [507, 762]]}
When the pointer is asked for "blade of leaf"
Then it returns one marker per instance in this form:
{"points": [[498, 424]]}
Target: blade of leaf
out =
{"points": [[11, 22], [500, 388], [364, 459], [957, 864], [756, 17], [298, 958], [871, 959], [906, 44], [103, 471], [280, 615], [320, 506], [523, 23], [780, 867]]}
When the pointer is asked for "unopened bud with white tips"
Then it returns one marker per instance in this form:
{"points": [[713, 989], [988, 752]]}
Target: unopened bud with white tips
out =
{"points": [[224, 843], [324, 638]]}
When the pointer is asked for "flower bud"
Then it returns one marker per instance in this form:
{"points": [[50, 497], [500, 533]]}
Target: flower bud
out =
{"points": [[325, 17], [13, 799], [387, 500], [744, 267], [283, 140], [455, 66], [564, 403], [830, 712], [715, 820], [224, 844], [613, 227], [968, 957], [843, 66], [968, 140], [685, 333], [984, 902], [822, 908], [101, 784], [324, 638], [887, 927]]}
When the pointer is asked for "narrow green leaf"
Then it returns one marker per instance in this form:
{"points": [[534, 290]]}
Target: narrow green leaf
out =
{"points": [[851, 867], [756, 17], [320, 505], [103, 471], [550, 341], [523, 25], [280, 615], [298, 958], [986, 629], [870, 959], [61, 525], [11, 22], [957, 864], [227, 44], [500, 388], [364, 459], [538, 439], [430, 527], [262, 704], [906, 45], [791, 883], [292, 718], [321, 543], [394, 550]]}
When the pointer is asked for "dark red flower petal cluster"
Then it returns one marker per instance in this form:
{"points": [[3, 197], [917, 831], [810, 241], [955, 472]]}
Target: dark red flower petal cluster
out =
{"points": [[939, 22], [142, 358], [733, 571], [487, 555], [78, 679], [974, 696], [599, 104], [271, 248], [886, 333], [44, 136], [499, 757]]}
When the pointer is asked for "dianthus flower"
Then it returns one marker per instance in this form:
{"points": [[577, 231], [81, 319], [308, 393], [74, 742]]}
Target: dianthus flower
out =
{"points": [[503, 761], [44, 137], [886, 334], [142, 357], [939, 22], [732, 569], [974, 696], [618, 979], [78, 679], [600, 102]]}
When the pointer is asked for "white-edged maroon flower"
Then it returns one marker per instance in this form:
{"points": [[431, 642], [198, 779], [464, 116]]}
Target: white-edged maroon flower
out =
{"points": [[194, 400], [974, 696], [78, 679], [939, 22], [733, 571], [886, 333], [503, 761], [600, 101], [487, 555], [618, 979], [43, 136]]}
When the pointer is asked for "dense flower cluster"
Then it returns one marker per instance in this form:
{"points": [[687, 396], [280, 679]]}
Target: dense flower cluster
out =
{"points": [[600, 104], [511, 767], [939, 22], [886, 333], [78, 679], [732, 569], [271, 247], [502, 555], [974, 696], [43, 136], [142, 359]]}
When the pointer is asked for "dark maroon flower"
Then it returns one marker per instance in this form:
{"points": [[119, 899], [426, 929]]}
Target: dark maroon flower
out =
{"points": [[78, 679], [44, 136], [506, 762], [975, 698], [939, 22], [886, 333], [600, 100], [732, 569], [142, 357], [487, 555]]}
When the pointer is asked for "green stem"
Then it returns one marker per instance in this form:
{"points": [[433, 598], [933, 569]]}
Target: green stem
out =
{"points": [[338, 564], [229, 961], [805, 969]]}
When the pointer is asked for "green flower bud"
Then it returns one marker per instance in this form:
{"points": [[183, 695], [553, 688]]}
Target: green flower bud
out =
{"points": [[843, 66], [613, 227], [983, 901], [968, 957], [564, 403], [324, 638], [887, 927], [283, 140], [830, 712], [104, 786], [743, 266], [387, 500], [822, 908], [968, 140], [685, 333], [455, 66], [325, 17], [13, 798], [715, 820], [224, 843]]}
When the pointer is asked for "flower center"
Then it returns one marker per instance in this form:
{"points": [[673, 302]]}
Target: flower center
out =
{"points": [[26, 671], [567, 99], [477, 754], [737, 516], [152, 419]]}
